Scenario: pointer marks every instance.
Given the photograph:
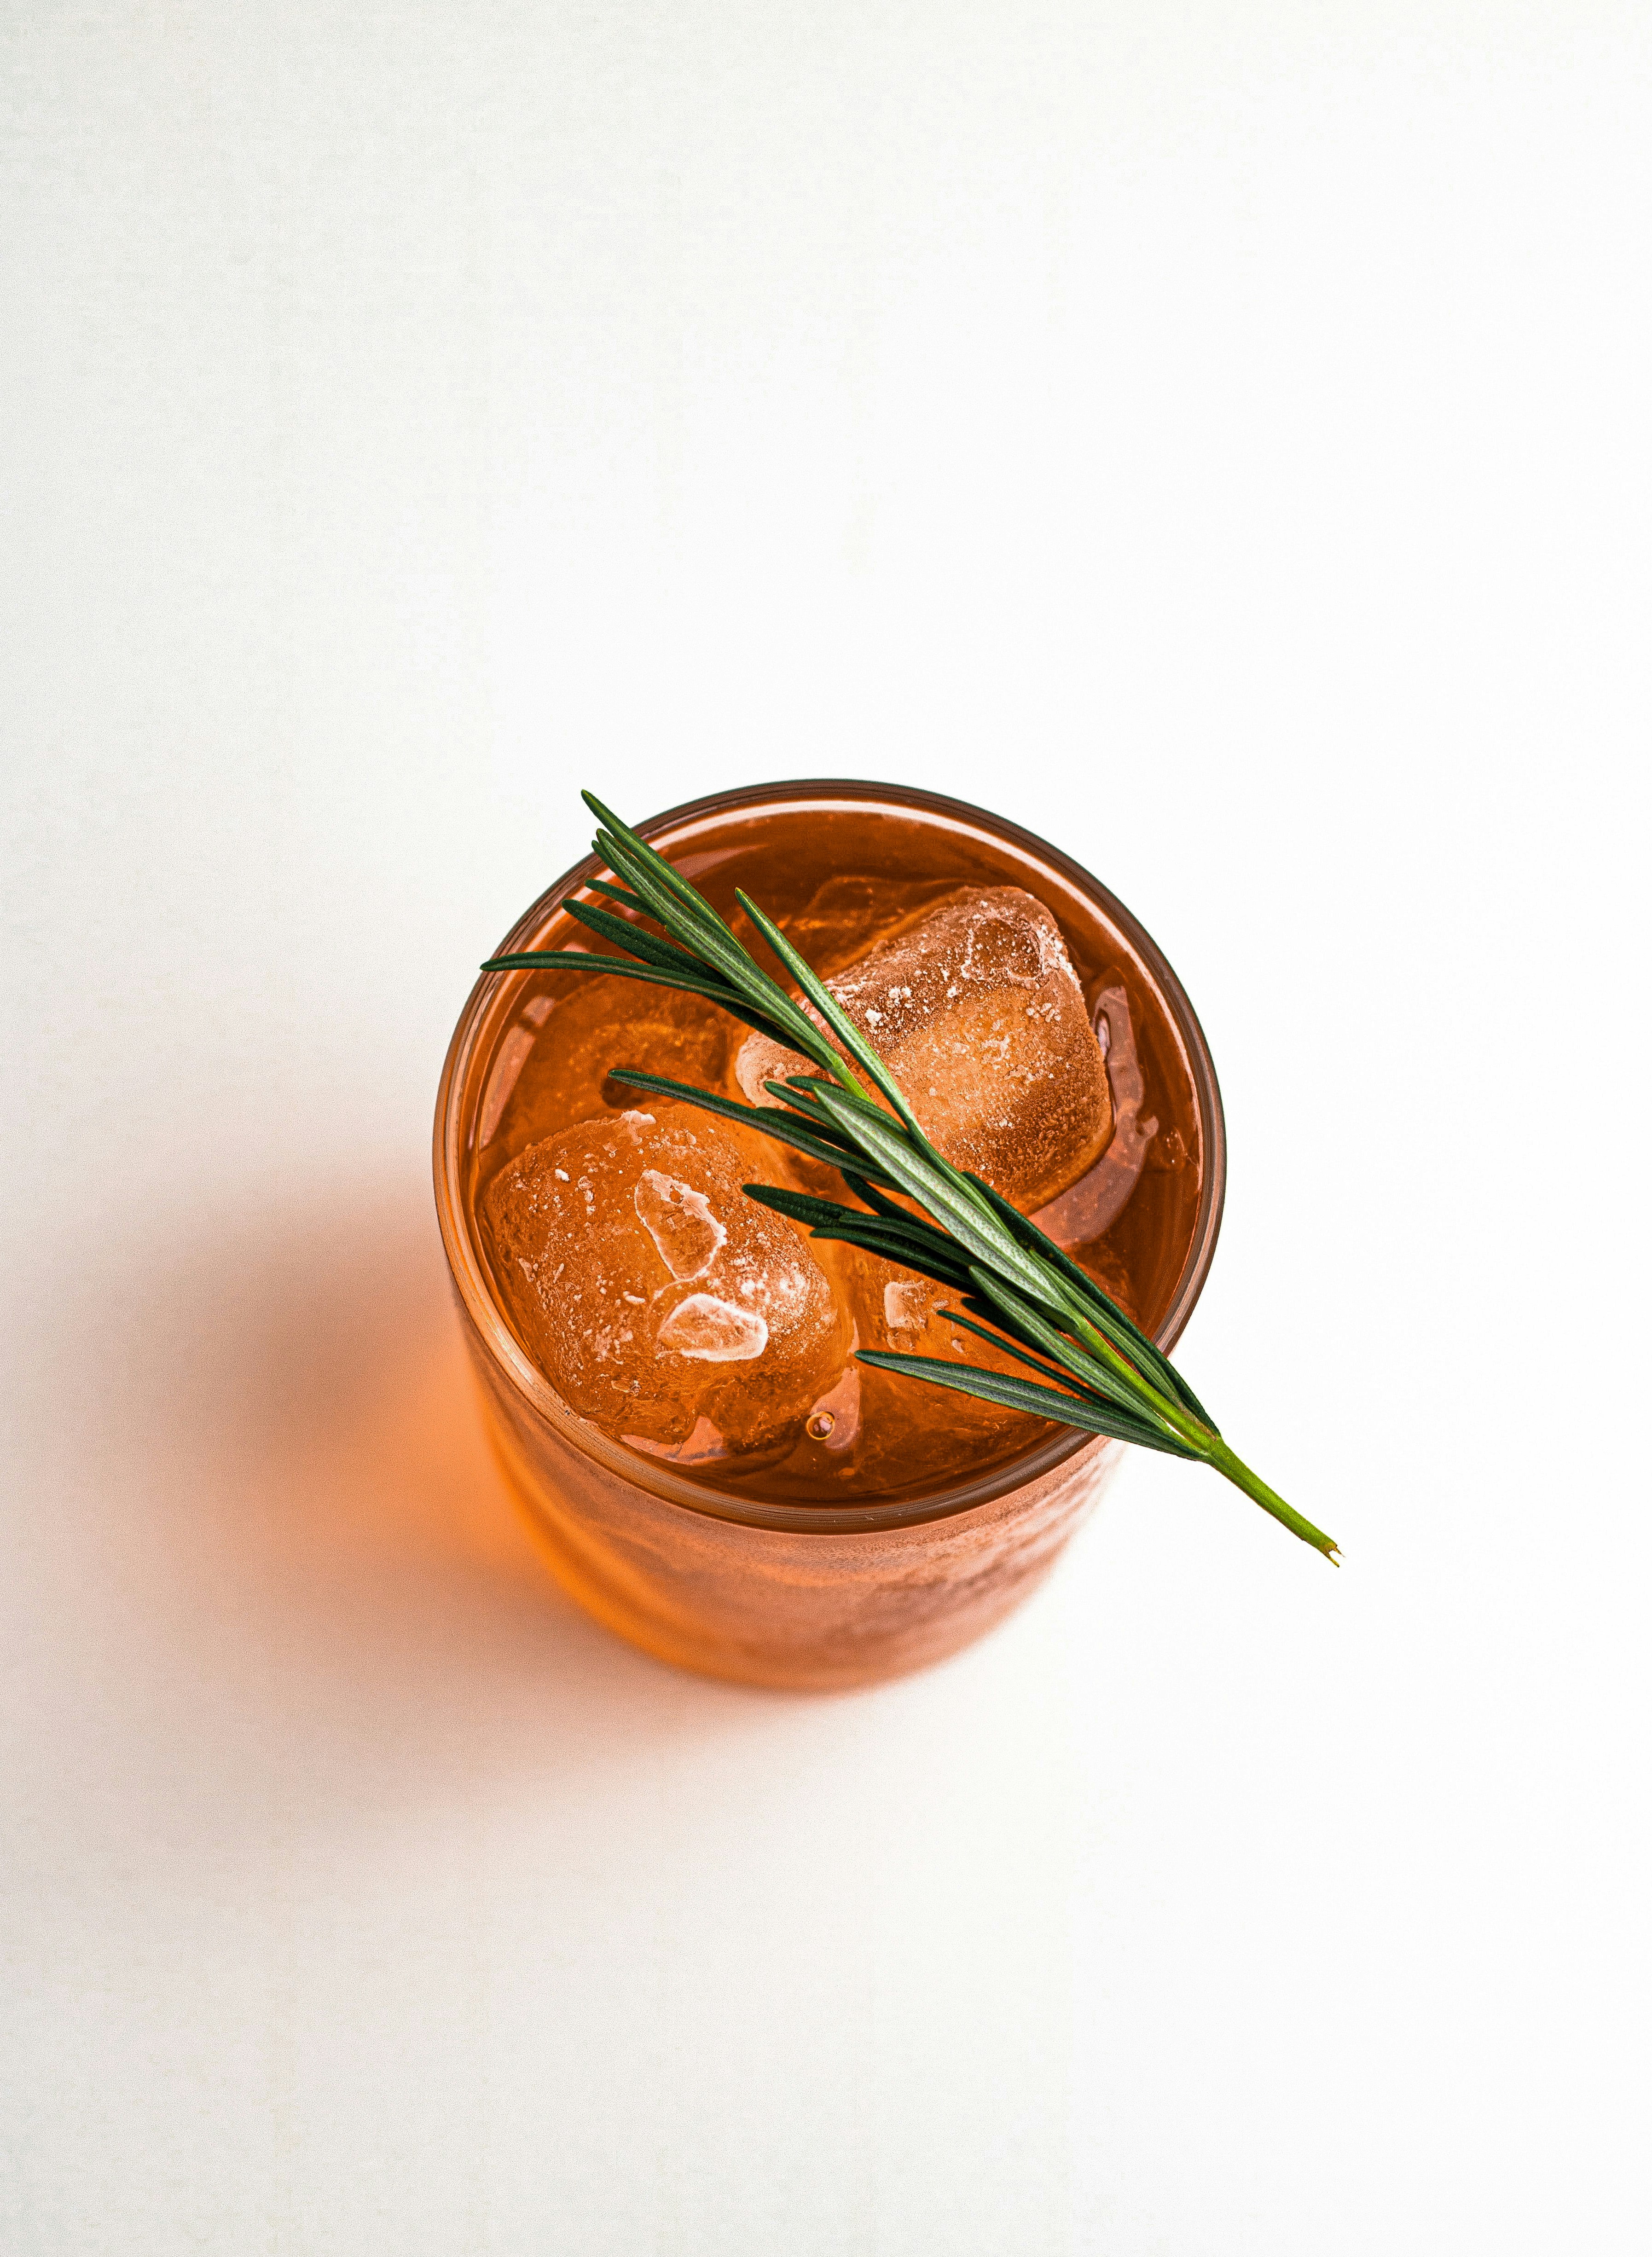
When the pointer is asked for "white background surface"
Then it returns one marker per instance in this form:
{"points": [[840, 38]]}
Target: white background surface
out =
{"points": [[1216, 435]]}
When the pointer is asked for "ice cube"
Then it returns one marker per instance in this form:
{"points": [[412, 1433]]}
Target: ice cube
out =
{"points": [[659, 1301], [680, 1221], [979, 1015], [1087, 1207], [831, 926], [927, 1427], [905, 1304], [716, 1332], [555, 1069]]}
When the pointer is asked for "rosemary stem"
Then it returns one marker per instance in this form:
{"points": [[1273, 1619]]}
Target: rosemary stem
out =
{"points": [[1182, 1423], [1219, 1455]]}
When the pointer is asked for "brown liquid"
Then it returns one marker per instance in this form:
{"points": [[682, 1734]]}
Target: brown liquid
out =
{"points": [[838, 879]]}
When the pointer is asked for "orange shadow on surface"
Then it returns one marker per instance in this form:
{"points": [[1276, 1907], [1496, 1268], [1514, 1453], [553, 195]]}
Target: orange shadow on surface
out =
{"points": [[313, 1593]]}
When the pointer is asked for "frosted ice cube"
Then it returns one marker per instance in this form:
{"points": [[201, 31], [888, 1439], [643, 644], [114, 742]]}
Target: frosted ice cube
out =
{"points": [[831, 926], [978, 1012], [899, 1311], [659, 1301], [555, 1069]]}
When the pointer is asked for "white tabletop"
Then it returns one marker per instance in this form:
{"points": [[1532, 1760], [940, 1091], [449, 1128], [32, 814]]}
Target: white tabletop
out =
{"points": [[1217, 440]]}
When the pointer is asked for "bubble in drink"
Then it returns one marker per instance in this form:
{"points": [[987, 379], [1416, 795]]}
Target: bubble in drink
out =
{"points": [[664, 1305], [979, 1015]]}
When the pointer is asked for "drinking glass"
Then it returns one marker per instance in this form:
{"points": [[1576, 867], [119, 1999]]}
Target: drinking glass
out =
{"points": [[822, 1596]]}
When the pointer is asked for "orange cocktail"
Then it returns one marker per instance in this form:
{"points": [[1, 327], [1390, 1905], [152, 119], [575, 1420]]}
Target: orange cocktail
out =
{"points": [[668, 1367]]}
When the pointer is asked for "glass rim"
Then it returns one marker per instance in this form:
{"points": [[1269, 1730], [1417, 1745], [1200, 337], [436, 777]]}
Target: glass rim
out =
{"points": [[484, 1005]]}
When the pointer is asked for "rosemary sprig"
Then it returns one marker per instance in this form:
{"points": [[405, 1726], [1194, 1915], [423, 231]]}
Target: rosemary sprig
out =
{"points": [[1096, 1370]]}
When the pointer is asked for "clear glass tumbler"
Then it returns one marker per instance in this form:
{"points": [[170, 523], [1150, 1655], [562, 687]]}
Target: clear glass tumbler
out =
{"points": [[805, 1596]]}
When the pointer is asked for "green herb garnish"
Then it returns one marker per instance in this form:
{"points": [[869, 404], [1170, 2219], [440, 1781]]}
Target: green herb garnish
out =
{"points": [[1096, 1369]]}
